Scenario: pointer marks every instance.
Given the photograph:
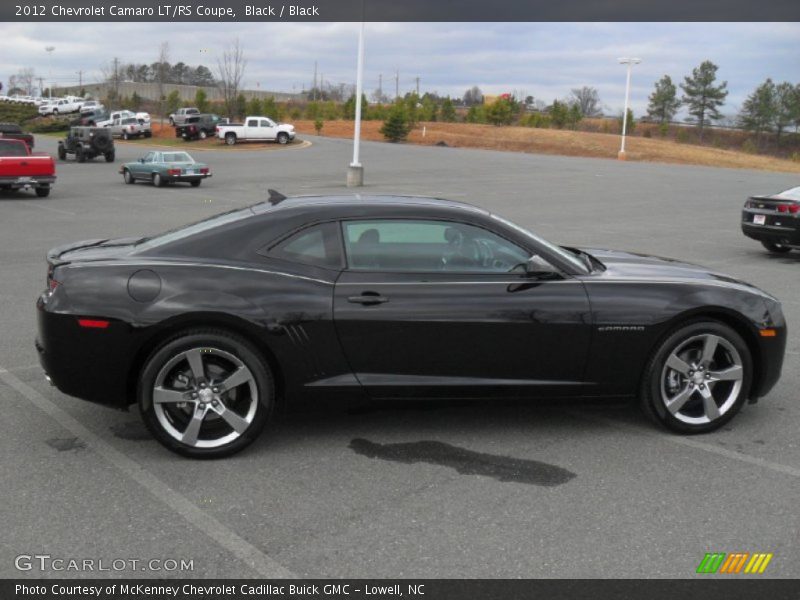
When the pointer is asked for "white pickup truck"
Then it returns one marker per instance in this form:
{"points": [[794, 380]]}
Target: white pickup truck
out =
{"points": [[256, 129]]}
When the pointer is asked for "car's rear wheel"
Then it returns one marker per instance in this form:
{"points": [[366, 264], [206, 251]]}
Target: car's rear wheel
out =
{"points": [[196, 182], [110, 156], [202, 135], [62, 153], [230, 139], [128, 177], [206, 394], [79, 155], [43, 192], [776, 248], [125, 136], [698, 378], [158, 181]]}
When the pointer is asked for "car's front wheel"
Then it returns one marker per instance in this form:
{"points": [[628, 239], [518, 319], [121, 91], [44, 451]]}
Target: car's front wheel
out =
{"points": [[283, 138], [698, 378], [206, 394], [776, 248], [128, 177]]}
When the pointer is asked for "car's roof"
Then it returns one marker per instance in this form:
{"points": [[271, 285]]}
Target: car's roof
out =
{"points": [[362, 200]]}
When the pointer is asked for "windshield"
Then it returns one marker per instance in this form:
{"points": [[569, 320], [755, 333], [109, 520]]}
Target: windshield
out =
{"points": [[790, 194], [173, 235], [564, 255], [177, 157]]}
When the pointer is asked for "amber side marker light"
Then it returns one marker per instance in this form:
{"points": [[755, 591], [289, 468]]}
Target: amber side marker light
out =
{"points": [[767, 332], [93, 323]]}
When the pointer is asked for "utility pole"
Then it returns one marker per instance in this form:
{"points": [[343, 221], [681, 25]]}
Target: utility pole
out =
{"points": [[417, 80], [41, 87], [80, 80], [315, 82], [397, 85], [380, 87]]}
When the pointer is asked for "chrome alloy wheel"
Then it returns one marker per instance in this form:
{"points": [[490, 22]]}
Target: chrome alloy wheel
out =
{"points": [[701, 379], [205, 397]]}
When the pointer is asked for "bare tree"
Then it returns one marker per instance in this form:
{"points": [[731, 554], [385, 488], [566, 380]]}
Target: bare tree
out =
{"points": [[587, 100], [25, 78], [230, 70], [112, 76]]}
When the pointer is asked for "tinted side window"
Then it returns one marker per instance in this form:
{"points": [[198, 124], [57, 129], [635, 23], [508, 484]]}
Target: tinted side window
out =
{"points": [[424, 246], [317, 245]]}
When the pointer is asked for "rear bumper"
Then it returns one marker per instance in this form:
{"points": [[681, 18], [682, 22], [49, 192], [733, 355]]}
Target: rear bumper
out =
{"points": [[91, 364], [192, 177], [787, 233], [32, 181]]}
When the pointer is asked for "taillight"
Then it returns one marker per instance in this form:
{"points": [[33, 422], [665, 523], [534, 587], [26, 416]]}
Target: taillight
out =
{"points": [[794, 209], [205, 170], [173, 171], [783, 208]]}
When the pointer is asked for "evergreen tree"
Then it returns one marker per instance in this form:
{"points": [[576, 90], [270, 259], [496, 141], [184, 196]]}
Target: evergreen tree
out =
{"points": [[254, 107], [201, 100], [396, 127], [447, 112], [701, 95], [664, 101], [173, 102], [501, 111], [758, 111], [787, 107], [559, 114]]}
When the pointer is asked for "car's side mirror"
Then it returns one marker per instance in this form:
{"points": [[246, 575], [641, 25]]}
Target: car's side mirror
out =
{"points": [[536, 266]]}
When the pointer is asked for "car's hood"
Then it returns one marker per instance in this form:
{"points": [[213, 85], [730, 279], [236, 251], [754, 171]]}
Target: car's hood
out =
{"points": [[620, 264]]}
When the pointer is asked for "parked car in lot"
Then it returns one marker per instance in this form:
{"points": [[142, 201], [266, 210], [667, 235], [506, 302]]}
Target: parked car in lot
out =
{"points": [[63, 106], [256, 129], [126, 128], [91, 106], [90, 118], [86, 143], [179, 116], [199, 127], [162, 168], [14, 132], [21, 169], [209, 326], [774, 220], [142, 117]]}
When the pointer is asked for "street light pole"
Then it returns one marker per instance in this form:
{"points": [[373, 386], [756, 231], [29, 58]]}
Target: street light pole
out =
{"points": [[355, 173], [630, 62], [49, 50]]}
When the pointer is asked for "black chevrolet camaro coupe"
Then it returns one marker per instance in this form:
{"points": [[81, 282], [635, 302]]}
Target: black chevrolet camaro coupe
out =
{"points": [[774, 220], [212, 326]]}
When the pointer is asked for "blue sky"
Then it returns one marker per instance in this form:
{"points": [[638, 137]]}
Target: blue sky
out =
{"points": [[544, 60]]}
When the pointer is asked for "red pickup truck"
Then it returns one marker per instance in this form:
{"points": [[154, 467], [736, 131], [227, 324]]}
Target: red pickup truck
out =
{"points": [[20, 169]]}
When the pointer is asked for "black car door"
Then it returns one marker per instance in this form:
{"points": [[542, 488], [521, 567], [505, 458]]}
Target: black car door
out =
{"points": [[430, 308]]}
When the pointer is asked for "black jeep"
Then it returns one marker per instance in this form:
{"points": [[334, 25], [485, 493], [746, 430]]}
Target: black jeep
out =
{"points": [[86, 143]]}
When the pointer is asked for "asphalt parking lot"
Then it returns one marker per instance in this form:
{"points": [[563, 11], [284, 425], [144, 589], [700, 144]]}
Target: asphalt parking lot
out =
{"points": [[607, 496]]}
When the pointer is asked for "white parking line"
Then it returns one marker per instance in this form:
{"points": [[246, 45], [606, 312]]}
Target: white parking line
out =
{"points": [[242, 549], [698, 445]]}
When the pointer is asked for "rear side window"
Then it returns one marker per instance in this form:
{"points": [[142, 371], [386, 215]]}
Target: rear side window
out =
{"points": [[317, 245]]}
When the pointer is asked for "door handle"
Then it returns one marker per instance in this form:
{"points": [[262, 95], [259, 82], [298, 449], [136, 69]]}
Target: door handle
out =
{"points": [[368, 298]]}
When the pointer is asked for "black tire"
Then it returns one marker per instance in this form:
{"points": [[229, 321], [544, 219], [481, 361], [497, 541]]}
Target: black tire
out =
{"points": [[775, 248], [148, 134], [283, 139], [158, 181], [43, 192], [125, 136], [657, 374], [110, 156], [62, 152], [171, 122], [230, 139], [196, 182], [101, 143], [128, 177], [166, 421], [79, 155]]}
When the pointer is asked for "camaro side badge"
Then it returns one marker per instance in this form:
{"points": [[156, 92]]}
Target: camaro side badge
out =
{"points": [[605, 328]]}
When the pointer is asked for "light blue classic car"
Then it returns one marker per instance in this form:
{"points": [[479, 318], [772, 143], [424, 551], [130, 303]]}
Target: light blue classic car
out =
{"points": [[162, 168]]}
